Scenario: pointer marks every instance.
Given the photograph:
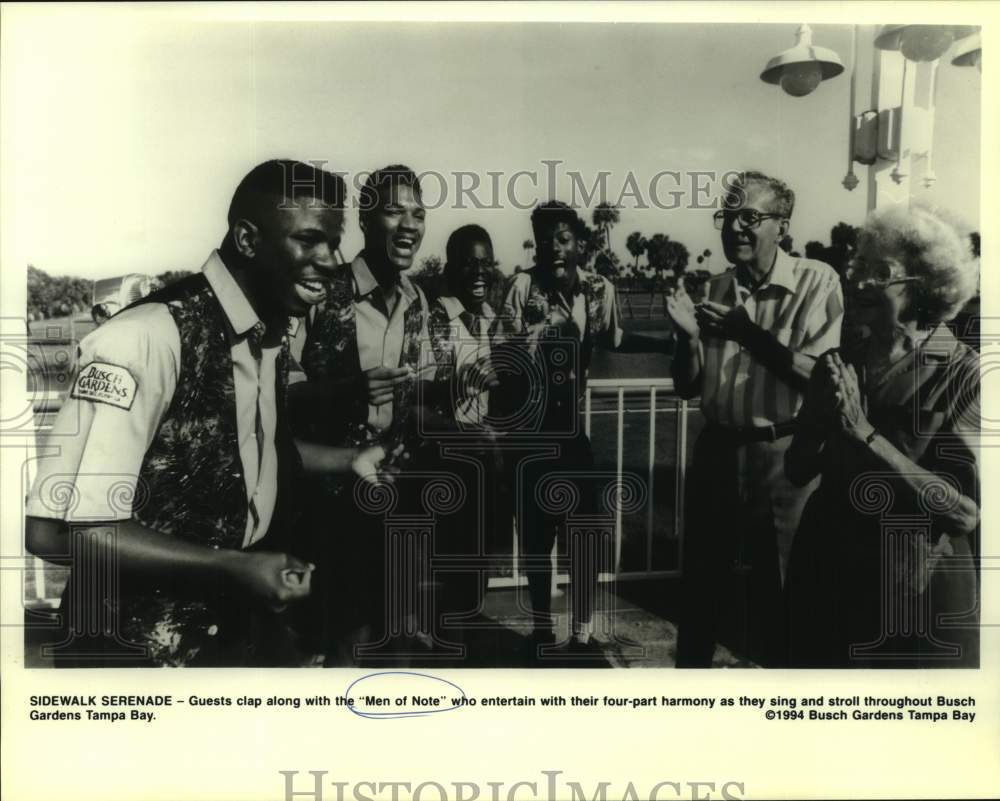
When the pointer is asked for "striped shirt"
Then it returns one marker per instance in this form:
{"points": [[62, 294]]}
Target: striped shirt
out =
{"points": [[802, 305]]}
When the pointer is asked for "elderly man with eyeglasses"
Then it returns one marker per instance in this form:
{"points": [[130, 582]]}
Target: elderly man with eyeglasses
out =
{"points": [[747, 352]]}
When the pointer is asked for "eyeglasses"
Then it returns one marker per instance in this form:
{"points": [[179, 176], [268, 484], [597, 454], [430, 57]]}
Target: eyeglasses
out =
{"points": [[746, 219], [863, 275]]}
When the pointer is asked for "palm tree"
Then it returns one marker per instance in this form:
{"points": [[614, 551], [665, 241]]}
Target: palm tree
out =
{"points": [[675, 257], [605, 218], [636, 245], [429, 275], [590, 242], [656, 256], [843, 241], [655, 246]]}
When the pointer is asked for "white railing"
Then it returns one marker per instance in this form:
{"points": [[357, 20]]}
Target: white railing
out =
{"points": [[620, 388]]}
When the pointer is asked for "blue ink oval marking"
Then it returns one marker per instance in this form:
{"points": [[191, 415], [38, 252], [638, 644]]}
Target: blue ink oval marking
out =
{"points": [[408, 712]]}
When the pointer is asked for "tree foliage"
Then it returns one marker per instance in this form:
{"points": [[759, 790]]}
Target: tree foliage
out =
{"points": [[664, 254], [814, 250], [843, 240], [606, 217], [636, 245], [171, 276], [57, 296], [590, 241], [695, 283], [607, 264]]}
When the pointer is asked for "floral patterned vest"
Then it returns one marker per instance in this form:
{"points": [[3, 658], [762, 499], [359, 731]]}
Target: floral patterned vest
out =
{"points": [[331, 356], [191, 479], [541, 299], [191, 486]]}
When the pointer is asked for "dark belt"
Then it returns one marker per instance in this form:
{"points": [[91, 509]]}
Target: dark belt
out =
{"points": [[771, 433]]}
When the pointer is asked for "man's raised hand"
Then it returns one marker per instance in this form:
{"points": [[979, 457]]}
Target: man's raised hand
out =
{"points": [[372, 465], [681, 310], [727, 322]]}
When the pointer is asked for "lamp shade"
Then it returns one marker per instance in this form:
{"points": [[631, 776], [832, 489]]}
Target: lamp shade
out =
{"points": [[921, 42], [800, 69], [969, 52]]}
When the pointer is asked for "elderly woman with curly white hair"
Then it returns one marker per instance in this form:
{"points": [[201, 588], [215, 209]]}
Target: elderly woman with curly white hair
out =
{"points": [[883, 568]]}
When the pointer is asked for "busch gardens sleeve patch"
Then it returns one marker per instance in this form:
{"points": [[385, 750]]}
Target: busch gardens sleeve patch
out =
{"points": [[105, 383]]}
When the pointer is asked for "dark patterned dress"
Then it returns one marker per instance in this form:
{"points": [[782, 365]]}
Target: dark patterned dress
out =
{"points": [[855, 595]]}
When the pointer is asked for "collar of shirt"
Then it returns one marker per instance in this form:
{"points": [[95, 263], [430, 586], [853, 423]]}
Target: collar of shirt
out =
{"points": [[235, 306], [906, 379], [941, 344], [456, 308], [365, 283], [937, 349], [780, 275], [547, 284], [782, 272]]}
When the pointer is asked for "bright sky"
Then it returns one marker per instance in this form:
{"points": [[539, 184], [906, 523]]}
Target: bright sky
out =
{"points": [[123, 145]]}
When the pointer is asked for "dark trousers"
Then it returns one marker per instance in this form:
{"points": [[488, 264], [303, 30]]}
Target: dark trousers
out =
{"points": [[741, 515], [849, 604], [392, 559], [466, 539], [543, 485], [346, 542]]}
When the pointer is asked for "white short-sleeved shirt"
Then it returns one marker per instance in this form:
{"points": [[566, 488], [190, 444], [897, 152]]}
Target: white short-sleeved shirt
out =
{"points": [[127, 374]]}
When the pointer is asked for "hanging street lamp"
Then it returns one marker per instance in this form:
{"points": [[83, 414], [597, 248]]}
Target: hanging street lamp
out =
{"points": [[969, 52], [800, 69], [921, 43]]}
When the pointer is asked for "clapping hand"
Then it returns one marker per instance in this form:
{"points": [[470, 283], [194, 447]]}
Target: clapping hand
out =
{"points": [[681, 309], [727, 322], [849, 413]]}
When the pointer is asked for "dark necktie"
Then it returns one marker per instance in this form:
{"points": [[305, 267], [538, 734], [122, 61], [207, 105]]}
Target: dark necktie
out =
{"points": [[471, 323]]}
